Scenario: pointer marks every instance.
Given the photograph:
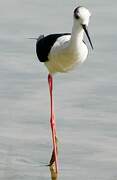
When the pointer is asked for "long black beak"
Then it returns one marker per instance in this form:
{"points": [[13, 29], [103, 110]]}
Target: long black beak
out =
{"points": [[86, 31]]}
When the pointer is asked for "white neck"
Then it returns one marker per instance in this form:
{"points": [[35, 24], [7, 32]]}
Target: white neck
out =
{"points": [[76, 35]]}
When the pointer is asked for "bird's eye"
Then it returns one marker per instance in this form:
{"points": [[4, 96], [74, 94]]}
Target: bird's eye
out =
{"points": [[76, 16]]}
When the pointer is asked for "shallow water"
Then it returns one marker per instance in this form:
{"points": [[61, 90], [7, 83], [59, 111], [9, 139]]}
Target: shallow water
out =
{"points": [[85, 99]]}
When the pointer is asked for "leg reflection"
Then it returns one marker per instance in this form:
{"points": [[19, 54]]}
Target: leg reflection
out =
{"points": [[53, 173], [52, 164]]}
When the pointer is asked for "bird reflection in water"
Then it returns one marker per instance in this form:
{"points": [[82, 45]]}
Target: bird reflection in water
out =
{"points": [[53, 173], [52, 166]]}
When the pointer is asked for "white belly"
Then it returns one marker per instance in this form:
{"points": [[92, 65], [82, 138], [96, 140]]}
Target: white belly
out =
{"points": [[63, 58]]}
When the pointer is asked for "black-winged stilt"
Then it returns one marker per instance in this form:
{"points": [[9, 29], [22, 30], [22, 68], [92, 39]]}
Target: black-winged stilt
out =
{"points": [[61, 53]]}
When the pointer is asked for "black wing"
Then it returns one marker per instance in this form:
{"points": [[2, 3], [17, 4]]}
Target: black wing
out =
{"points": [[44, 45]]}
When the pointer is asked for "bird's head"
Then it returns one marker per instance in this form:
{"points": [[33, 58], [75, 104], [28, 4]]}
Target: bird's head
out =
{"points": [[81, 18], [82, 15]]}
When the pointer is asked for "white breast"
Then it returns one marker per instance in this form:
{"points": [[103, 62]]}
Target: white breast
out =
{"points": [[63, 57]]}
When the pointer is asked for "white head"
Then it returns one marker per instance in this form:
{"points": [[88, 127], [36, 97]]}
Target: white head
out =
{"points": [[82, 15], [81, 19]]}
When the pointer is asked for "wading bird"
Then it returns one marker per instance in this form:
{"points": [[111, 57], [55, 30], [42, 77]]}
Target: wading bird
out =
{"points": [[61, 53]]}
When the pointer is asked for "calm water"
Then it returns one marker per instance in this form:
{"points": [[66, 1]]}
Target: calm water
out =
{"points": [[85, 99]]}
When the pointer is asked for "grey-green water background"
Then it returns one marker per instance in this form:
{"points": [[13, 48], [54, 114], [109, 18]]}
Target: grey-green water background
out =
{"points": [[85, 99]]}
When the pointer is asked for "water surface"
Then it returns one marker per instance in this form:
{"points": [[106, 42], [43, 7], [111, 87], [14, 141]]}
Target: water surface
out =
{"points": [[85, 99]]}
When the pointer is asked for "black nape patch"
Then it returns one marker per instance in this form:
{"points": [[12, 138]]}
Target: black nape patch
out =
{"points": [[76, 11], [44, 45]]}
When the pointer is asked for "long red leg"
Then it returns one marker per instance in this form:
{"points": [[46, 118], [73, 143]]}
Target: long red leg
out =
{"points": [[52, 122]]}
